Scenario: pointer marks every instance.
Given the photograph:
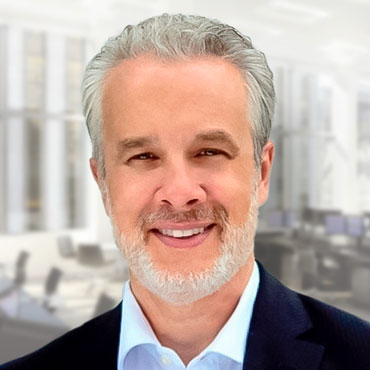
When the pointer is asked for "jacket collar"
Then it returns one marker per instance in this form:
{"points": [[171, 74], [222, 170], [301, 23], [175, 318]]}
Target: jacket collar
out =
{"points": [[279, 320]]}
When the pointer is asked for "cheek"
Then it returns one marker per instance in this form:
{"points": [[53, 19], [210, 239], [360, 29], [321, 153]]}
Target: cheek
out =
{"points": [[237, 202], [234, 192], [129, 198]]}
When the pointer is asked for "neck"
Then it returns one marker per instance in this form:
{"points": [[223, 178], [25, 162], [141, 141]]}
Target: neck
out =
{"points": [[190, 328]]}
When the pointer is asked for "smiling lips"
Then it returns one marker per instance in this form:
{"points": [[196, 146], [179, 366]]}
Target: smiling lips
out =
{"points": [[181, 233], [183, 236]]}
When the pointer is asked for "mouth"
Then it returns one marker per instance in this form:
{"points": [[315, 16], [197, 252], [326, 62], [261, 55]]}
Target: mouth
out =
{"points": [[183, 237]]}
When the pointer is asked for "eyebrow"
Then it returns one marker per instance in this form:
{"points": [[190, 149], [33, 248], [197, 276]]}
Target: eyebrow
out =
{"points": [[135, 142], [218, 136], [214, 136]]}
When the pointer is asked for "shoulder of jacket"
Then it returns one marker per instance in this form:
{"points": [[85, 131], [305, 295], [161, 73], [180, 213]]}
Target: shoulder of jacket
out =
{"points": [[338, 329]]}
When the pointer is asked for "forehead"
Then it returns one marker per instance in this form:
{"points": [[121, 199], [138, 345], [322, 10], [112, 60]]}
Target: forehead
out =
{"points": [[145, 69], [146, 92]]}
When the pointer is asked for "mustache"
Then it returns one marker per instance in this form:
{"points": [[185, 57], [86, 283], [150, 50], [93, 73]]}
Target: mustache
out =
{"points": [[215, 213]]}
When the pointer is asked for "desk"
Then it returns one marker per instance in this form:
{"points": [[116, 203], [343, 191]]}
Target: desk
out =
{"points": [[361, 279], [335, 267], [26, 326], [278, 253]]}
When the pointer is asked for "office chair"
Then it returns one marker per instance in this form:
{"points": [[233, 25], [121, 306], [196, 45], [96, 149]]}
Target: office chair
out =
{"points": [[65, 246], [91, 255], [9, 297], [51, 287], [20, 268], [20, 275]]}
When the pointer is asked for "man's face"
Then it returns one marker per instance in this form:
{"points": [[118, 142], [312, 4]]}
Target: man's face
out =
{"points": [[179, 161]]}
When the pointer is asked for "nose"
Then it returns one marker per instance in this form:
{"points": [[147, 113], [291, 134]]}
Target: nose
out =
{"points": [[180, 188]]}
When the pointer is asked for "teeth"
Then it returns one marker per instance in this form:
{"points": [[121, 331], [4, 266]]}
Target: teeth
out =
{"points": [[181, 233]]}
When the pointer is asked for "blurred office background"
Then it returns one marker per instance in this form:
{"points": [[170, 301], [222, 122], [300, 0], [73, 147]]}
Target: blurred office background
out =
{"points": [[58, 262]]}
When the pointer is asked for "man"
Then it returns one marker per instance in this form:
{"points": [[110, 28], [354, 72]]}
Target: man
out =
{"points": [[179, 110]]}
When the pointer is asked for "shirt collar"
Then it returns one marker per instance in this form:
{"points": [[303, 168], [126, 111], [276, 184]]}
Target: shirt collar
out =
{"points": [[230, 341], [232, 338]]}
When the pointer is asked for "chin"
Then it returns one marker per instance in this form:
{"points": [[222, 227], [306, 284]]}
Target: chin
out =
{"points": [[181, 288]]}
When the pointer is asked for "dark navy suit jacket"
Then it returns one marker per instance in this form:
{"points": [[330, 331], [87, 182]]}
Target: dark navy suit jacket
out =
{"points": [[288, 331]]}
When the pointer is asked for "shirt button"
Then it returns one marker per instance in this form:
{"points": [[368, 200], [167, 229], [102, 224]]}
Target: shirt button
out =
{"points": [[165, 360]]}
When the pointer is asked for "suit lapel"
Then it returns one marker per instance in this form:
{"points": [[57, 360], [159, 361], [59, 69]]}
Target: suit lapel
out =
{"points": [[278, 328], [102, 340]]}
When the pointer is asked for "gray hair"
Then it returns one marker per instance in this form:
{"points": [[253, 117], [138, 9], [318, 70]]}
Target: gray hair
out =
{"points": [[182, 37]]}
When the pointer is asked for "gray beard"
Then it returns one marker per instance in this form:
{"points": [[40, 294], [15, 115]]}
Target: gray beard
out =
{"points": [[181, 289]]}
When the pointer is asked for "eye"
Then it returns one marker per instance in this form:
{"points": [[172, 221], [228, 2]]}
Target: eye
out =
{"points": [[143, 157], [210, 152]]}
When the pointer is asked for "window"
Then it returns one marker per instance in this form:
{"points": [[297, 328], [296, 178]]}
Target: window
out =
{"points": [[34, 101], [42, 134], [363, 142]]}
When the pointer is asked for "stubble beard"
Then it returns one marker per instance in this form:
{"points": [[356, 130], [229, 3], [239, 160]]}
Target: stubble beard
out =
{"points": [[181, 289]]}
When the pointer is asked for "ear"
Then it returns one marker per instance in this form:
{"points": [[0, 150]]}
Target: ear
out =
{"points": [[97, 177], [267, 157], [95, 170]]}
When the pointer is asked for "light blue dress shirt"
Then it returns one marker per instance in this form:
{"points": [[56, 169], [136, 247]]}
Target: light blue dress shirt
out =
{"points": [[139, 348]]}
